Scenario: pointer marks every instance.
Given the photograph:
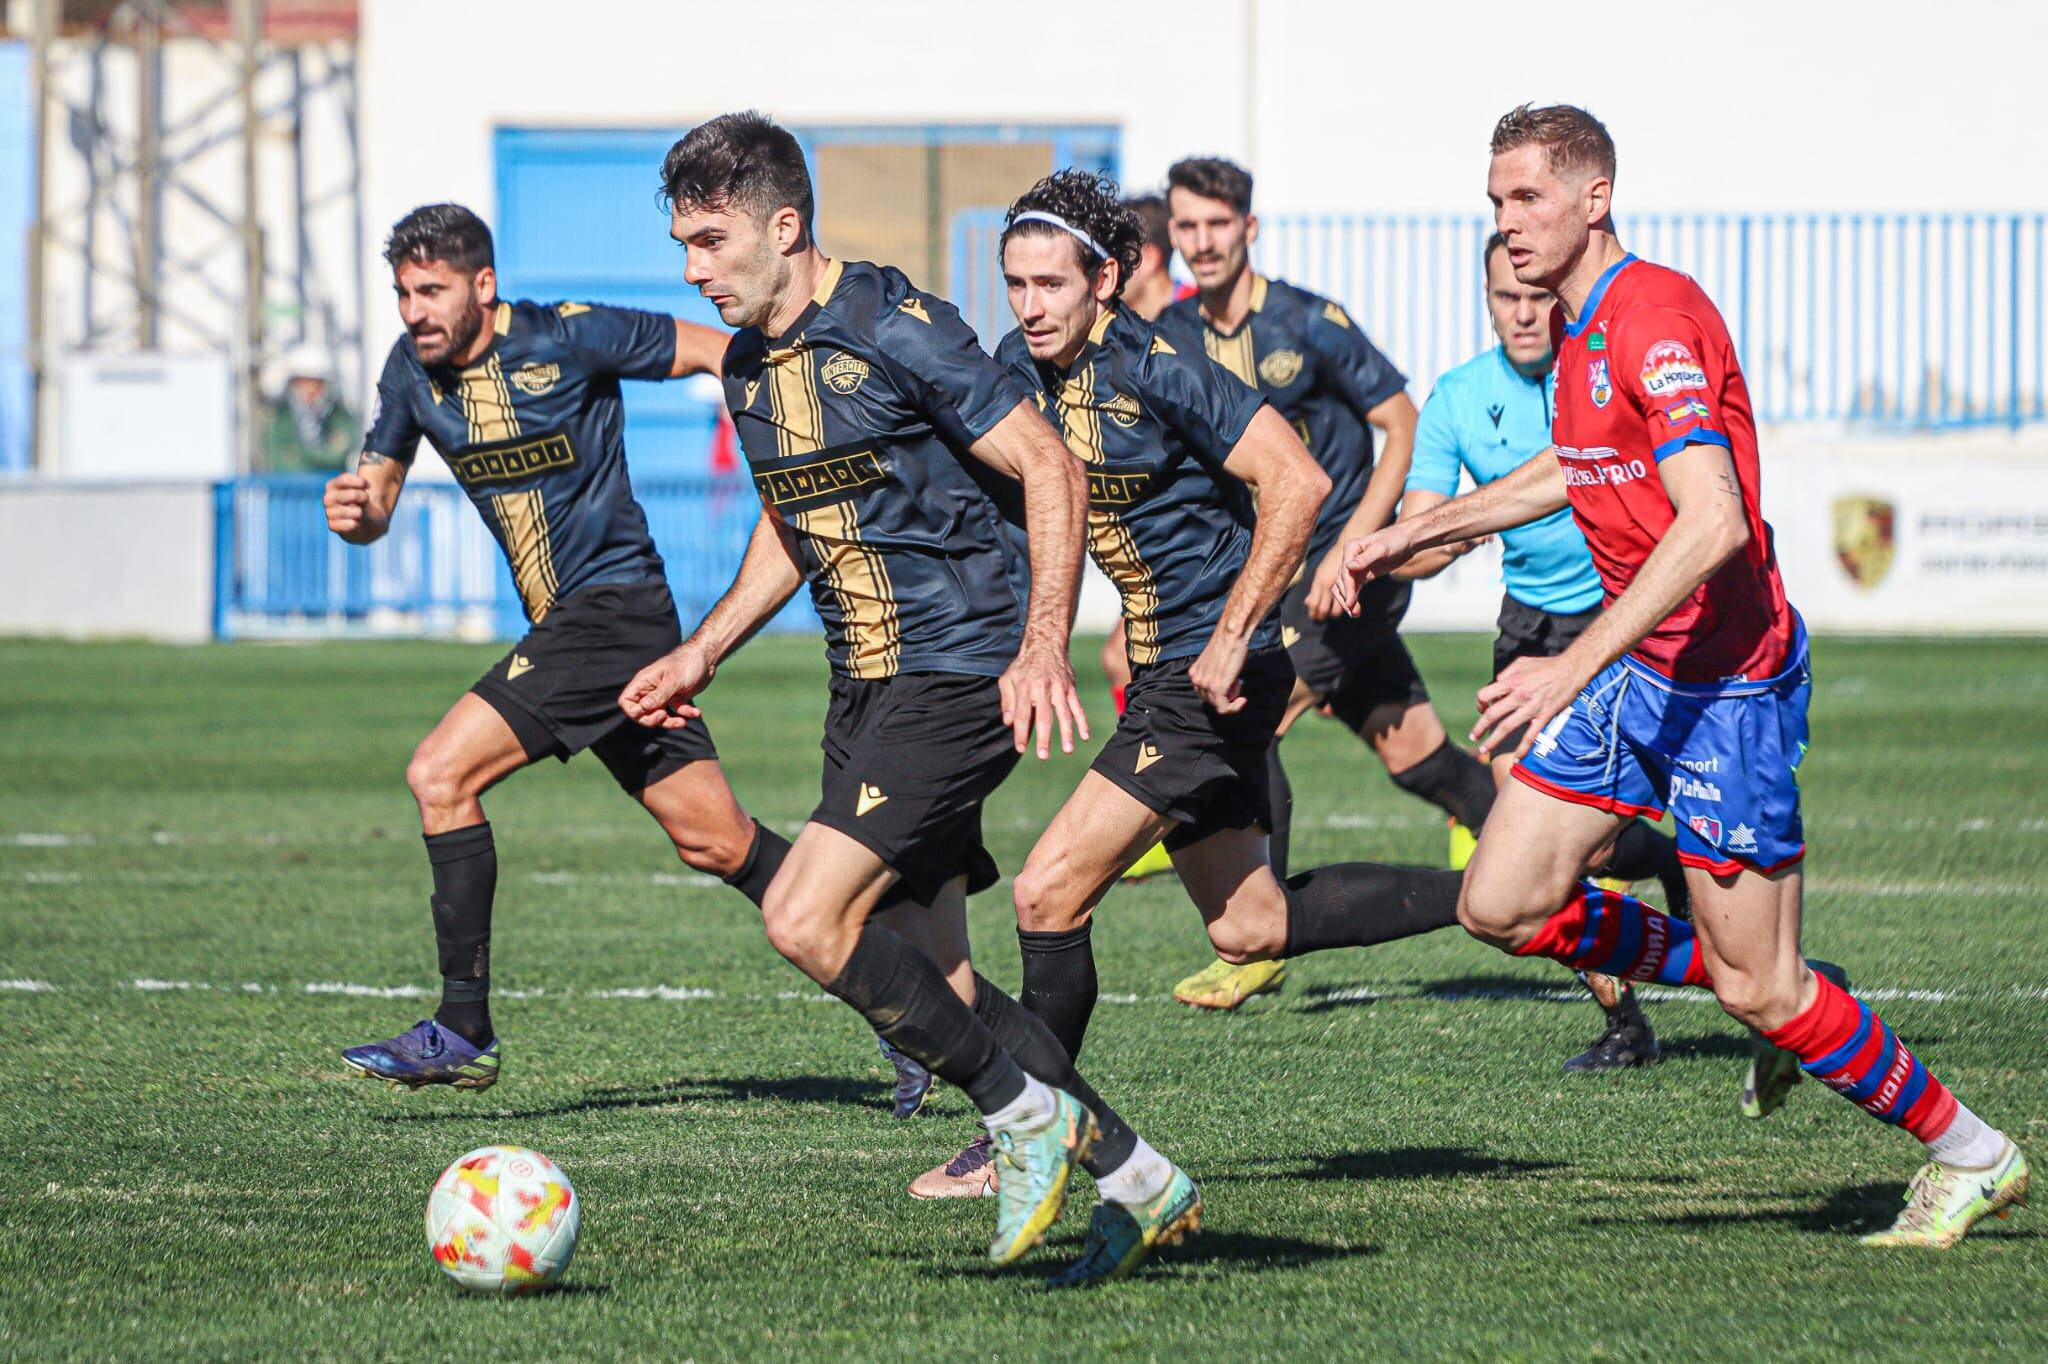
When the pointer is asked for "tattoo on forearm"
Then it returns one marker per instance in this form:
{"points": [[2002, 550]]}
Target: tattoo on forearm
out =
{"points": [[1729, 485], [370, 458]]}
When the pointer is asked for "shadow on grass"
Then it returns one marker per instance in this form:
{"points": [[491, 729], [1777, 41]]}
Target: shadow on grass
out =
{"points": [[1406, 1162], [1845, 1212], [1558, 989], [1225, 1251], [1322, 999], [835, 1090]]}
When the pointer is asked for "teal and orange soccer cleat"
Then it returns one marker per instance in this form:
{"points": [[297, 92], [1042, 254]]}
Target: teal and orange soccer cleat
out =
{"points": [[427, 1054], [1034, 1165], [1121, 1235], [1942, 1204]]}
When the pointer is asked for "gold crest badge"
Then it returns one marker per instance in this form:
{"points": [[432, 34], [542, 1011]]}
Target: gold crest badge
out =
{"points": [[536, 379], [1863, 538], [1281, 368], [844, 373], [1123, 409]]}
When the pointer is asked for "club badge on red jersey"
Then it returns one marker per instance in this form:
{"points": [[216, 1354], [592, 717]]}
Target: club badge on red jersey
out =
{"points": [[1598, 384], [1669, 367]]}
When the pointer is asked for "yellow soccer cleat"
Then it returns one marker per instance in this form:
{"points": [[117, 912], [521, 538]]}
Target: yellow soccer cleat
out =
{"points": [[1219, 985], [1942, 1204], [1155, 861], [1463, 843]]}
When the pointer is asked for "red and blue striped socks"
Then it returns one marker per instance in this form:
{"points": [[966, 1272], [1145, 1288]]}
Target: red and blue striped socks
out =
{"points": [[1619, 935], [1838, 1039]]}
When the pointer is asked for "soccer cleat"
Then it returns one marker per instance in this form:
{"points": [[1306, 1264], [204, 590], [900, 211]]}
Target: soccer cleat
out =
{"points": [[1032, 1168], [1463, 844], [1219, 985], [913, 1082], [1773, 1071], [1628, 1041], [971, 1174], [1120, 1235], [427, 1054], [1155, 861], [1942, 1203]]}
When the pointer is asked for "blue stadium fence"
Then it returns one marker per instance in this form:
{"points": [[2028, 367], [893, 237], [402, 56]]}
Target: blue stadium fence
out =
{"points": [[279, 572], [1905, 321]]}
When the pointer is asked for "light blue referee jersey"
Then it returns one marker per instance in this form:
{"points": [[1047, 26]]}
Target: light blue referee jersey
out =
{"points": [[1485, 417]]}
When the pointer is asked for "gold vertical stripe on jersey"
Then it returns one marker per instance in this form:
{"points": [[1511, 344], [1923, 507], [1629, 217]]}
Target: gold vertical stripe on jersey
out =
{"points": [[854, 572], [524, 519], [1110, 542], [1234, 353], [487, 402]]}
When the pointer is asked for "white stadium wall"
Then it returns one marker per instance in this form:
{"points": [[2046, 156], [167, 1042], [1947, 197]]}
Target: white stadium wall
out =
{"points": [[106, 560]]}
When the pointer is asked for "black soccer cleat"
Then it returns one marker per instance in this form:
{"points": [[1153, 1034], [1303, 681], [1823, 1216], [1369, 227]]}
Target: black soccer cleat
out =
{"points": [[1628, 1041]]}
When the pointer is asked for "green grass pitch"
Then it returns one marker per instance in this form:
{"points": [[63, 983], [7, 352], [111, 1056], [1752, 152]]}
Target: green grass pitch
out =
{"points": [[210, 879]]}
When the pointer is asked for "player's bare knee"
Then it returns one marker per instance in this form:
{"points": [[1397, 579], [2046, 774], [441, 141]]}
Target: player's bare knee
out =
{"points": [[792, 931], [436, 783], [1045, 899], [1496, 916], [1762, 1001]]}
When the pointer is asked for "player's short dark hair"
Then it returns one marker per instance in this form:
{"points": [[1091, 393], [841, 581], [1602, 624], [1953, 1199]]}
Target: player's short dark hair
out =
{"points": [[1213, 178], [1153, 217], [1573, 141], [1496, 242], [738, 161], [1090, 202], [443, 232]]}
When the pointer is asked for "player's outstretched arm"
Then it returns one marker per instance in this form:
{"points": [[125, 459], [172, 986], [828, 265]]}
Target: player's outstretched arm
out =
{"points": [[359, 504], [1709, 529], [699, 350], [1429, 562], [1291, 488], [1535, 490], [659, 694], [1038, 688]]}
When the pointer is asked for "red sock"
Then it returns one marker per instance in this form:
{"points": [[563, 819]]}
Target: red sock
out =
{"points": [[1619, 935], [1842, 1043]]}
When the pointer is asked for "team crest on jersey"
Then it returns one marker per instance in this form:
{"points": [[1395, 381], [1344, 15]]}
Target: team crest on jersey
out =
{"points": [[536, 379], [1281, 368], [1709, 829], [1122, 408], [1598, 384], [1863, 538], [1669, 367], [844, 373]]}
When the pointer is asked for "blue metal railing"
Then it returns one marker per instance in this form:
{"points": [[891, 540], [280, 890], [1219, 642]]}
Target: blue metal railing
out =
{"points": [[279, 572], [1895, 320]]}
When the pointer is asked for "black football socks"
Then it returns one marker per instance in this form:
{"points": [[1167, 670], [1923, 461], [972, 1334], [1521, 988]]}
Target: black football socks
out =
{"points": [[465, 863], [1025, 1036], [905, 998], [764, 859], [1059, 982], [1360, 904], [1280, 795], [1454, 781]]}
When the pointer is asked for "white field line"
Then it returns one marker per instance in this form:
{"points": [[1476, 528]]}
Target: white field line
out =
{"points": [[32, 987]]}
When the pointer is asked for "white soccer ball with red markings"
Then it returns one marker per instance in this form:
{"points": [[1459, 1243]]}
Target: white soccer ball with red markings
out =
{"points": [[503, 1219]]}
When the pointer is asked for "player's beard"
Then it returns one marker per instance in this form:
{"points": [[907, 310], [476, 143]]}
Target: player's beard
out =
{"points": [[768, 281]]}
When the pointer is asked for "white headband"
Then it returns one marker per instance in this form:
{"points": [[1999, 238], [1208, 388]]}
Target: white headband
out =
{"points": [[1041, 216]]}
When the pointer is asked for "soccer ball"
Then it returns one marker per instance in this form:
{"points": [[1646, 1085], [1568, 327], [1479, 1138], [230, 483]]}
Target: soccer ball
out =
{"points": [[503, 1219]]}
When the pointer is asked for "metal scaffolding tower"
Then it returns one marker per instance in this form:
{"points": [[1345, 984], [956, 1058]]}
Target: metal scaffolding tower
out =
{"points": [[197, 191]]}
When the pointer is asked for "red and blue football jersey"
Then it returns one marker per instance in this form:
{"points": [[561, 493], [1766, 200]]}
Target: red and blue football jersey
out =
{"points": [[1647, 370]]}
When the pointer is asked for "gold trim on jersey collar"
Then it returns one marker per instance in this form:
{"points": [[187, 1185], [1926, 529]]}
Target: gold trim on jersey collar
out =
{"points": [[1101, 327], [502, 323], [823, 294]]}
